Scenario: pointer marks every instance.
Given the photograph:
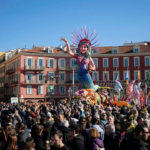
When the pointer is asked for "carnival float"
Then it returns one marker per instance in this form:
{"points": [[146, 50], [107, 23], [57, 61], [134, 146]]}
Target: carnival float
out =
{"points": [[89, 92]]}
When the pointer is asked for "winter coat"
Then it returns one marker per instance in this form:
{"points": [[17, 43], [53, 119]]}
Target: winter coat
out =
{"points": [[94, 142], [39, 144], [134, 144], [77, 143], [65, 131], [112, 141]]}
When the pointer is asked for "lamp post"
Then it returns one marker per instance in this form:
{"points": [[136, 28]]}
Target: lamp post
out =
{"points": [[51, 84], [69, 93]]}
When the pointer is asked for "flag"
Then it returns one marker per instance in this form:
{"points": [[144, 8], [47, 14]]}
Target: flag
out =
{"points": [[127, 78], [148, 77], [139, 75], [123, 99], [116, 76], [105, 77]]}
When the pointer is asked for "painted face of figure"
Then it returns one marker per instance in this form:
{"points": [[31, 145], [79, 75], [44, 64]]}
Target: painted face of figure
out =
{"points": [[83, 49]]}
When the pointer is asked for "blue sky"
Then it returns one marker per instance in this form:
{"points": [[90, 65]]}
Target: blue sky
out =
{"points": [[44, 22]]}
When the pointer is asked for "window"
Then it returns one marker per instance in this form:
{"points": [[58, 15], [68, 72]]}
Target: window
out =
{"points": [[50, 51], [51, 63], [126, 61], [40, 62], [40, 89], [62, 76], [147, 61], [136, 61], [116, 75], [51, 74], [62, 62], [75, 76], [105, 62], [136, 50], [29, 62], [114, 51], [40, 76], [124, 75], [146, 74], [115, 62], [28, 76], [107, 75], [94, 51], [95, 60], [74, 89], [29, 89], [62, 89], [95, 75], [72, 62], [136, 74]]}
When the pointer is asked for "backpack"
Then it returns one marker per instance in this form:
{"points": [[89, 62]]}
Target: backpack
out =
{"points": [[99, 148]]}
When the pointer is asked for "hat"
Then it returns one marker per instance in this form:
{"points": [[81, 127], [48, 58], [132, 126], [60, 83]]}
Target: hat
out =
{"points": [[33, 115], [49, 115]]}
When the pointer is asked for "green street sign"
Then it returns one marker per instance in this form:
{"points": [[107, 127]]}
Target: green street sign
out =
{"points": [[51, 87]]}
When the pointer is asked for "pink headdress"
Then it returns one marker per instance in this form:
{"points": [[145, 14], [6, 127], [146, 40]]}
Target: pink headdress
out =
{"points": [[83, 37]]}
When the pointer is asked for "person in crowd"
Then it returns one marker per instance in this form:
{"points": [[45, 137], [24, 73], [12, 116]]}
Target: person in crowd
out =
{"points": [[12, 142], [112, 139], [22, 135], [103, 119], [56, 139], [76, 140], [95, 142]]}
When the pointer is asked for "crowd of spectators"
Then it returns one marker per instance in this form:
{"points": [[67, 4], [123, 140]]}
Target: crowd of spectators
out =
{"points": [[74, 126]]}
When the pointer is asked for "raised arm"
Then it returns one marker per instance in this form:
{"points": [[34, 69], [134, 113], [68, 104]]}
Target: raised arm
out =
{"points": [[91, 65], [68, 48]]}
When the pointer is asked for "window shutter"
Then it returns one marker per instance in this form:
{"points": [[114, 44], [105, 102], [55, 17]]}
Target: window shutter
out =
{"points": [[43, 78], [43, 62], [37, 62], [70, 62], [26, 62], [26, 77], [54, 62], [59, 62], [64, 89], [41, 89], [48, 62], [30, 89], [32, 77], [65, 62], [32, 63]]}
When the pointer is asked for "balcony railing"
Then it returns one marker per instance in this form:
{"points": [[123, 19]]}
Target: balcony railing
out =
{"points": [[12, 70], [34, 68], [35, 82], [68, 68], [14, 82], [70, 81]]}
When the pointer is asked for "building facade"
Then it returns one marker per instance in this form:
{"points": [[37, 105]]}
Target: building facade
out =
{"points": [[28, 72]]}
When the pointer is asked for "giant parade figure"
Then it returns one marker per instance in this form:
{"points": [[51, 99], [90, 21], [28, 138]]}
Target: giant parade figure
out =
{"points": [[85, 44]]}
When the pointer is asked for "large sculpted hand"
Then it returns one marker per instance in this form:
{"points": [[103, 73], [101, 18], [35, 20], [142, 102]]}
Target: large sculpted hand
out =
{"points": [[63, 39]]}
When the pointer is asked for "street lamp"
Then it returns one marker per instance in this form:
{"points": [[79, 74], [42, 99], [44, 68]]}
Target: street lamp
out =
{"points": [[69, 93], [51, 84]]}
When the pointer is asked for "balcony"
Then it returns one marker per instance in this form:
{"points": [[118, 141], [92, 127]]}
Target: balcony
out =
{"points": [[35, 82], [34, 68], [67, 68], [14, 82], [70, 81], [12, 70]]}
